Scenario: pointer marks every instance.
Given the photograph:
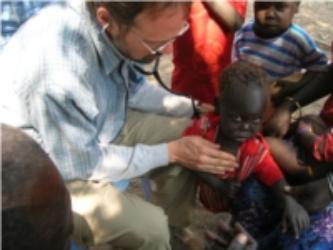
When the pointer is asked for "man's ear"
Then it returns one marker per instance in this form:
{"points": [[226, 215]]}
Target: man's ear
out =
{"points": [[104, 18]]}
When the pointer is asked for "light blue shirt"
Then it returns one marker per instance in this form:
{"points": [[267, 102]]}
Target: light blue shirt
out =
{"points": [[64, 83]]}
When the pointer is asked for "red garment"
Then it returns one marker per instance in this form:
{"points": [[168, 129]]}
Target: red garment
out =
{"points": [[254, 157], [323, 147], [202, 52]]}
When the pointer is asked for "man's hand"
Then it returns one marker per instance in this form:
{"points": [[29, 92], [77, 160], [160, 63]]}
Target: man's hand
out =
{"points": [[313, 196], [279, 123], [199, 154]]}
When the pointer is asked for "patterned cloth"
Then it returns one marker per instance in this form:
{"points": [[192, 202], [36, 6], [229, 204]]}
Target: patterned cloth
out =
{"points": [[202, 52], [280, 56], [260, 213]]}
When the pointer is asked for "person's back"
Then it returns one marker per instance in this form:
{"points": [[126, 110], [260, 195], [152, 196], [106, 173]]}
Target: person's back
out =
{"points": [[36, 210]]}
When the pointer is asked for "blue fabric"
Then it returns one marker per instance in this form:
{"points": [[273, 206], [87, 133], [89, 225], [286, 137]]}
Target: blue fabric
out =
{"points": [[15, 13], [260, 213]]}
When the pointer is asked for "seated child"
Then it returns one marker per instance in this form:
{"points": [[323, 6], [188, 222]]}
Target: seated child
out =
{"points": [[242, 101], [279, 46], [36, 208]]}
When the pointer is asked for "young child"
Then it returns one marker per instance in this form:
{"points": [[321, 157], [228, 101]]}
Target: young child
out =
{"points": [[242, 101], [276, 44]]}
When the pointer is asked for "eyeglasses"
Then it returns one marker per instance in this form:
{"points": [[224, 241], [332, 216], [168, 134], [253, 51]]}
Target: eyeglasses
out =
{"points": [[162, 47]]}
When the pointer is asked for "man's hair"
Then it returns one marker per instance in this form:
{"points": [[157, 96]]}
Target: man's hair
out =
{"points": [[243, 73], [126, 12], [33, 195]]}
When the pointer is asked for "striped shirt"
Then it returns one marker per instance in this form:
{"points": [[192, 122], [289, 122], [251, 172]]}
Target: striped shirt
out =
{"points": [[65, 84], [280, 56]]}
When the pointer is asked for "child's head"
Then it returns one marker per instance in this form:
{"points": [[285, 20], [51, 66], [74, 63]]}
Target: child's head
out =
{"points": [[273, 18], [36, 209], [242, 100]]}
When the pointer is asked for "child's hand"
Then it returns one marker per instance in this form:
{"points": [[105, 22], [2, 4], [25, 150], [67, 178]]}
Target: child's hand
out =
{"points": [[230, 238], [294, 215]]}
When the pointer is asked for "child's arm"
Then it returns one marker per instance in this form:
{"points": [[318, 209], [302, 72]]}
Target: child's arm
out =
{"points": [[269, 173], [315, 195], [227, 187], [226, 14], [294, 214], [318, 87]]}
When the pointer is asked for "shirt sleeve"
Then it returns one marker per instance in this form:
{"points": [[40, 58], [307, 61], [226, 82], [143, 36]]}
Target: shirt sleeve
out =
{"points": [[69, 134], [151, 98], [313, 58], [323, 148], [267, 171]]}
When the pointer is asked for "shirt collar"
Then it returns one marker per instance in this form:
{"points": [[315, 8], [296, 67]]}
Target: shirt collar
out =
{"points": [[109, 55]]}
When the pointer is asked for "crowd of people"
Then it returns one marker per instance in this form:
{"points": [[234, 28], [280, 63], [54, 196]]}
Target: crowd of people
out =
{"points": [[80, 121]]}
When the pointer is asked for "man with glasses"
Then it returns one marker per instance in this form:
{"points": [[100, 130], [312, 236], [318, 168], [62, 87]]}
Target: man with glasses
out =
{"points": [[70, 80]]}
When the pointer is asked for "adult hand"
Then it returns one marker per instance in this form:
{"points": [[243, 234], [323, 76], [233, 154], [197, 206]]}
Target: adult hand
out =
{"points": [[199, 154], [278, 124], [294, 215], [313, 196], [226, 237]]}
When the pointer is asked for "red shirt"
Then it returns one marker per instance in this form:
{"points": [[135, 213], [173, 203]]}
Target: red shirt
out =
{"points": [[202, 53], [254, 158], [323, 147]]}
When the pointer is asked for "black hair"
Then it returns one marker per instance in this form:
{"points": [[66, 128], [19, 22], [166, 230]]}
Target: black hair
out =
{"points": [[125, 12], [243, 73]]}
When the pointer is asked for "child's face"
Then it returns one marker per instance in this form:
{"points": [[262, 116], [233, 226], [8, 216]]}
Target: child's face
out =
{"points": [[241, 112], [273, 18]]}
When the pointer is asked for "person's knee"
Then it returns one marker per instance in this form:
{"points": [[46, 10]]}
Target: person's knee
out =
{"points": [[156, 234]]}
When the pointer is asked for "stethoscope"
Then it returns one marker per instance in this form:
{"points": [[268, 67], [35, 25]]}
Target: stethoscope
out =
{"points": [[155, 73]]}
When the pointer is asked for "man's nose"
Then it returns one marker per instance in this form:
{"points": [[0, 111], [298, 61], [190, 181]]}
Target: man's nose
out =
{"points": [[271, 12]]}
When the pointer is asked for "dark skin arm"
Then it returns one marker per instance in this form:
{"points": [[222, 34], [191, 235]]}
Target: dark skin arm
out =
{"points": [[228, 187], [313, 196], [225, 14], [315, 85], [295, 216]]}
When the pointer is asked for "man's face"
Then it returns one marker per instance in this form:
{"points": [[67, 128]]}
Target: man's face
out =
{"points": [[152, 29], [273, 18], [241, 111]]}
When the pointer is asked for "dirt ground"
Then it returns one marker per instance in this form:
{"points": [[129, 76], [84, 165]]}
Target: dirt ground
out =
{"points": [[316, 18]]}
